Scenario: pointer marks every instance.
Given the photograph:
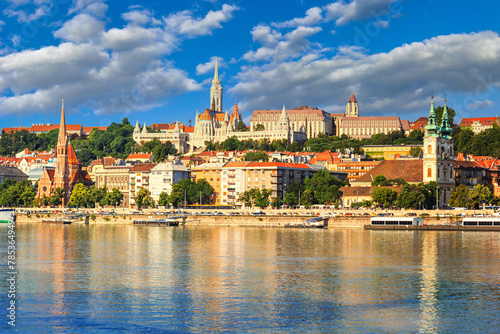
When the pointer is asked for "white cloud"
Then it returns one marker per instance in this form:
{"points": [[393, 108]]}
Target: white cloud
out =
{"points": [[313, 17], [382, 24], [80, 28], [210, 65], [291, 45], [79, 5], [265, 35], [183, 22], [481, 104], [2, 23], [395, 82], [115, 70], [138, 17], [97, 9], [356, 10], [36, 9]]}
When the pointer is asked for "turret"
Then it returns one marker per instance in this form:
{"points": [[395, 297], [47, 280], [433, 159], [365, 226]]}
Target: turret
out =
{"points": [[137, 128], [144, 128], [432, 129], [446, 130]]}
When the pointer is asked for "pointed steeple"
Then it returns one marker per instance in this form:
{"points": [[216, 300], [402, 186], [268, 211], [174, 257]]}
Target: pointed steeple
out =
{"points": [[352, 98], [176, 128], [62, 139], [137, 127], [283, 114], [216, 72], [144, 128], [445, 122], [432, 129]]}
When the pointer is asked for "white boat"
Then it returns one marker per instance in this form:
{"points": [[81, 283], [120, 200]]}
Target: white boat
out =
{"points": [[7, 215]]}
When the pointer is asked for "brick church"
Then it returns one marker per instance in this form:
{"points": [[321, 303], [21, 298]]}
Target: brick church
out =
{"points": [[68, 171]]}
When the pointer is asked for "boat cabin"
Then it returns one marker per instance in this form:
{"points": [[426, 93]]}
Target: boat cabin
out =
{"points": [[397, 221]]}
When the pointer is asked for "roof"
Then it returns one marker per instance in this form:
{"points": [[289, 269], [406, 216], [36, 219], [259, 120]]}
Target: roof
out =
{"points": [[72, 158], [81, 176], [277, 164], [12, 172], [482, 120], [419, 124], [409, 170], [89, 129], [337, 114], [294, 111], [372, 118], [170, 166], [209, 165], [236, 164], [457, 164], [142, 167], [139, 156], [405, 124], [352, 98]]}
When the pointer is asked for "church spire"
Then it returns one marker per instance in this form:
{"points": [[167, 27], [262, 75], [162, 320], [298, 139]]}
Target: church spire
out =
{"points": [[432, 128], [445, 122], [62, 127], [216, 73]]}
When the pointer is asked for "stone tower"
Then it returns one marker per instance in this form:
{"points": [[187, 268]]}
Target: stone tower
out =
{"points": [[216, 91], [61, 174], [439, 155], [352, 109]]}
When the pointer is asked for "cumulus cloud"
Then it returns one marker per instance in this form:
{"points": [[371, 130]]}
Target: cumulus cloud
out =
{"points": [[313, 17], [80, 28], [481, 104], [138, 17], [209, 66], [185, 24], [343, 13], [395, 82], [115, 70], [290, 45]]}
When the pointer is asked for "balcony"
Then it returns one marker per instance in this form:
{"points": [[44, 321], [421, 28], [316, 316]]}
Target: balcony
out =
{"points": [[231, 175], [275, 181], [231, 182]]}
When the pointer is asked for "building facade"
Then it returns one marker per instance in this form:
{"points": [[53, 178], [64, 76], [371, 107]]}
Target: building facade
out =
{"points": [[139, 177], [479, 124], [165, 175]]}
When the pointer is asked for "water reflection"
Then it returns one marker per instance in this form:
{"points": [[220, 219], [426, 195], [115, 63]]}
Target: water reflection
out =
{"points": [[143, 279]]}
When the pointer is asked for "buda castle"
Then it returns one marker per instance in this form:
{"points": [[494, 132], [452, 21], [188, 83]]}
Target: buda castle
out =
{"points": [[294, 125]]}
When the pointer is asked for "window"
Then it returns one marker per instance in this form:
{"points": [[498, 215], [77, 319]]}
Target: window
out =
{"points": [[429, 149], [429, 172]]}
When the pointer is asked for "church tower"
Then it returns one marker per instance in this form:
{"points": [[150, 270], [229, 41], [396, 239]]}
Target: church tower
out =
{"points": [[352, 109], [439, 155], [61, 175], [216, 91]]}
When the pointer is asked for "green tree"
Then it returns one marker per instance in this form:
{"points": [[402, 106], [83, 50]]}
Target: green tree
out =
{"points": [[415, 151], [379, 180], [384, 196], [115, 198], [79, 196], [164, 199], [256, 156], [177, 194], [57, 196], [261, 197], [242, 127], [479, 194], [142, 198], [323, 187], [96, 195], [439, 114], [459, 197], [247, 198], [259, 127], [276, 202], [410, 197]]}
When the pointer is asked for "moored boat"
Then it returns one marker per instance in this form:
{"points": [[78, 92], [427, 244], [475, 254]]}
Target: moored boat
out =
{"points": [[7, 215]]}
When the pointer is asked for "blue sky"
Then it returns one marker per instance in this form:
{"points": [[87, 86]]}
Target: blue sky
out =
{"points": [[153, 61]]}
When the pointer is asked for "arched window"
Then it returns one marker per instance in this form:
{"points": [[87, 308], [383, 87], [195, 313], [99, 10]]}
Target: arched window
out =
{"points": [[439, 172], [429, 149], [429, 172]]}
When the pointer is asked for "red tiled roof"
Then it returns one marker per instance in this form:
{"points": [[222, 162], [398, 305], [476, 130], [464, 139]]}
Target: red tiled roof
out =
{"points": [[277, 164], [482, 120], [72, 158], [88, 129], [142, 167], [139, 156], [409, 170], [352, 98], [233, 164]]}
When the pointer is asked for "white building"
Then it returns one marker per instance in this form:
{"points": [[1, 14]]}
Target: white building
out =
{"points": [[164, 176]]}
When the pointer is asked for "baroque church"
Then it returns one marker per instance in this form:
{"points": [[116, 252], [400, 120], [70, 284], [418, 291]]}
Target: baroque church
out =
{"points": [[215, 125], [68, 171]]}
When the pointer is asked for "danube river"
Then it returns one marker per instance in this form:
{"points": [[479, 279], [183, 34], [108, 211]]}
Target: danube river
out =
{"points": [[139, 279]]}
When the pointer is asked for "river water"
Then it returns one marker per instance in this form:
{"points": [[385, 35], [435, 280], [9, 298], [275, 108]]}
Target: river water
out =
{"points": [[140, 279]]}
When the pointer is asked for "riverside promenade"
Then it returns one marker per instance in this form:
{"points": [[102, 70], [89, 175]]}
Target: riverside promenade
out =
{"points": [[271, 218]]}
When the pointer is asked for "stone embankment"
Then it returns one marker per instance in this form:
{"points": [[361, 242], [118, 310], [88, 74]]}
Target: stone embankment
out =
{"points": [[247, 220]]}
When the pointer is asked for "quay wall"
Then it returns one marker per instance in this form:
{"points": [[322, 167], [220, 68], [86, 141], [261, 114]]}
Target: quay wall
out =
{"points": [[223, 220]]}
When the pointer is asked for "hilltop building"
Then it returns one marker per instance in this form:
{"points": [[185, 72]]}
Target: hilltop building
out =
{"points": [[479, 124], [215, 125]]}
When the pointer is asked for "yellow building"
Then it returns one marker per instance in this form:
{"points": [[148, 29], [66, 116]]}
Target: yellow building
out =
{"points": [[211, 172], [388, 152]]}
